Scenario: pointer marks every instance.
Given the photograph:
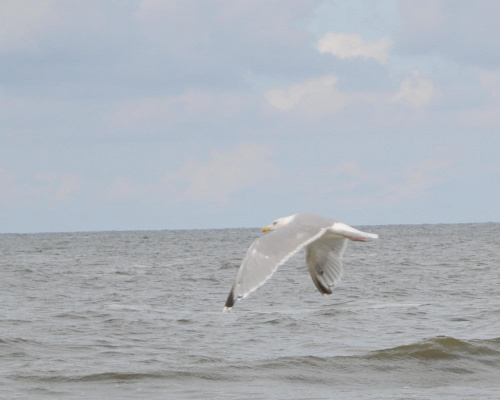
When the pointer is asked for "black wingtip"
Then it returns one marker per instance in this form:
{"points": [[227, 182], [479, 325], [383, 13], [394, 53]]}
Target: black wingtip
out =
{"points": [[323, 289], [230, 301]]}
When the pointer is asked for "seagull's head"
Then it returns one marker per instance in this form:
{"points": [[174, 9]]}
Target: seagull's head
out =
{"points": [[278, 223]]}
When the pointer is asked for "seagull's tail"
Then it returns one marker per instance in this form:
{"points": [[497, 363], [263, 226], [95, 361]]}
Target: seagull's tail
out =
{"points": [[352, 233]]}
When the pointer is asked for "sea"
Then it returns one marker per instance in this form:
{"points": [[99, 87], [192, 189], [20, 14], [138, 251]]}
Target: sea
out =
{"points": [[138, 315]]}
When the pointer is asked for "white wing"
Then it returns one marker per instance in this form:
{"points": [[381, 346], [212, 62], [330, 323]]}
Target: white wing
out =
{"points": [[267, 253], [324, 255], [324, 239], [324, 261]]}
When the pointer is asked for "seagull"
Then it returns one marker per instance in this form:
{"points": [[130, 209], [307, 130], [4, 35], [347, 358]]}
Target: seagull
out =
{"points": [[324, 240]]}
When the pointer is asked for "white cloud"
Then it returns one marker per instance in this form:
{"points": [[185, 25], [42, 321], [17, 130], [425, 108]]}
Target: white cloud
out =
{"points": [[247, 166], [48, 188], [319, 97], [490, 81], [424, 17], [358, 187], [148, 111], [67, 185], [486, 117], [22, 23], [278, 24], [414, 91], [417, 180], [35, 26], [465, 32], [315, 97], [9, 192], [350, 168], [349, 174], [345, 46], [484, 114]]}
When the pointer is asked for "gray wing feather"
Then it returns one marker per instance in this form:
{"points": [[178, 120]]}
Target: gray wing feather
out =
{"points": [[267, 253], [324, 261]]}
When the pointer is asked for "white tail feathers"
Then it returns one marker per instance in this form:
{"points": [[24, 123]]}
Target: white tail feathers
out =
{"points": [[349, 232]]}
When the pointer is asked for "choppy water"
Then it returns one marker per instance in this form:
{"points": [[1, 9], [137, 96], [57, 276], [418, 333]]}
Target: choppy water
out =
{"points": [[139, 315]]}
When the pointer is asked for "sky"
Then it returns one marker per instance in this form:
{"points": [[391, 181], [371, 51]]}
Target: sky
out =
{"points": [[175, 114]]}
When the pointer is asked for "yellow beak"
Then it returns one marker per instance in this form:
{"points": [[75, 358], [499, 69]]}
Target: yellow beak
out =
{"points": [[265, 229]]}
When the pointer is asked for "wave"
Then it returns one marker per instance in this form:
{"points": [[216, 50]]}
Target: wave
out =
{"points": [[116, 376], [127, 376], [441, 348], [434, 361], [431, 361], [432, 349]]}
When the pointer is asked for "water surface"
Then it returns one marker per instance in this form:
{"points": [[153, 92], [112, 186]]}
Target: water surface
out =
{"points": [[139, 315]]}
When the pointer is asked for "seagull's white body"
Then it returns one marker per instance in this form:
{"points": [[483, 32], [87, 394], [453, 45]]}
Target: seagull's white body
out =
{"points": [[324, 239]]}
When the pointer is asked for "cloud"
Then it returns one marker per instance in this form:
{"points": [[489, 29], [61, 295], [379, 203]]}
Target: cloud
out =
{"points": [[484, 114], [9, 192], [193, 104], [359, 187], [490, 81], [425, 17], [279, 24], [245, 167], [193, 36], [248, 166], [417, 180], [346, 46], [414, 91], [22, 24], [315, 97], [349, 175], [319, 97], [55, 27], [43, 187], [67, 185], [465, 32]]}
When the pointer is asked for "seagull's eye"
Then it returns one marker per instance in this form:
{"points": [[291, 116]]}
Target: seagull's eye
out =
{"points": [[274, 223]]}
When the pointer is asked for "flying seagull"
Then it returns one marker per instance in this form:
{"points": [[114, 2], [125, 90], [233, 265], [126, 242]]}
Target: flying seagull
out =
{"points": [[323, 238]]}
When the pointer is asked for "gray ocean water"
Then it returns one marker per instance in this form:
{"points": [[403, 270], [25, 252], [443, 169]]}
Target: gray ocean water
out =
{"points": [[138, 315]]}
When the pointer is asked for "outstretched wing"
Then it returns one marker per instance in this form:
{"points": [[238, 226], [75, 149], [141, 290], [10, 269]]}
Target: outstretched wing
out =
{"points": [[324, 255], [324, 261], [266, 254]]}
